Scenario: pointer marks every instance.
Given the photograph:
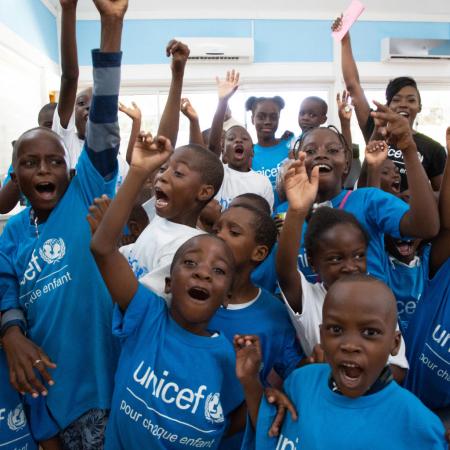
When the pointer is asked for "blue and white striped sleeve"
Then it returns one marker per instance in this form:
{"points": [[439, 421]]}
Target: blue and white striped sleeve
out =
{"points": [[102, 132]]}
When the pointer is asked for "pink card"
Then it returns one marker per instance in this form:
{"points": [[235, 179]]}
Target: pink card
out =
{"points": [[351, 15]]}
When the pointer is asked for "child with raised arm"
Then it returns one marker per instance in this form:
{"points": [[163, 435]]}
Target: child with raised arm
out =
{"points": [[175, 384], [352, 401], [52, 275]]}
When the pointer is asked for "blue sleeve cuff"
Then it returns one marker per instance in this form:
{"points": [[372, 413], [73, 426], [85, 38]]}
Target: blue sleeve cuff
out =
{"points": [[105, 59]]}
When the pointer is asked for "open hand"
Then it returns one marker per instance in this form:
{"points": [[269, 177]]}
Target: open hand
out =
{"points": [[282, 403], [337, 24], [150, 153], [133, 111], [301, 191], [96, 212], [188, 110], [25, 359], [180, 53], [112, 8], [376, 153], [248, 356], [227, 87], [344, 106]]}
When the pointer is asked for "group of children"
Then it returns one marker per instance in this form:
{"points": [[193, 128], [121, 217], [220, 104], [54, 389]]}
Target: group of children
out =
{"points": [[162, 306]]}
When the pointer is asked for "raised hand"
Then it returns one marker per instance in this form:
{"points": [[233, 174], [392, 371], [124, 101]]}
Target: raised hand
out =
{"points": [[282, 403], [376, 153], [133, 111], [344, 106], [248, 356], [394, 127], [179, 53], [301, 190], [149, 154], [112, 8], [24, 359], [96, 212], [337, 24], [188, 110], [227, 87]]}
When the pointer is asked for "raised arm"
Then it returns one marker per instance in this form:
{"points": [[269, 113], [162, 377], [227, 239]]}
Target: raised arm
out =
{"points": [[225, 89], [69, 62], [345, 116], [301, 193], [195, 134], [9, 197], [376, 154], [170, 119], [107, 223], [134, 113], [422, 219], [440, 249], [102, 131]]}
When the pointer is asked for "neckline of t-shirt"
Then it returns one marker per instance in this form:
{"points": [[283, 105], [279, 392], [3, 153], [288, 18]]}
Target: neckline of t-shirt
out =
{"points": [[241, 306]]}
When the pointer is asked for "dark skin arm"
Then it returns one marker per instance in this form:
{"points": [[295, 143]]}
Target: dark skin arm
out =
{"points": [[422, 219], [301, 193], [195, 134], [440, 250], [225, 89], [69, 62], [9, 197], [107, 222], [170, 118], [134, 113]]}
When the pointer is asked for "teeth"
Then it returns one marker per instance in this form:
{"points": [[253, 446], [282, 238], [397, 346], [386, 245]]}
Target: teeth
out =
{"points": [[405, 114], [160, 203], [349, 365]]}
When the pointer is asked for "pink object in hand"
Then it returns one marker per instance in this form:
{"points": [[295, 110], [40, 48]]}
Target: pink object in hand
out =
{"points": [[350, 16]]}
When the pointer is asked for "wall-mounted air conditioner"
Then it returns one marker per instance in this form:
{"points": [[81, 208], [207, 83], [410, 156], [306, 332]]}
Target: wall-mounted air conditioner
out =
{"points": [[220, 50], [398, 49]]}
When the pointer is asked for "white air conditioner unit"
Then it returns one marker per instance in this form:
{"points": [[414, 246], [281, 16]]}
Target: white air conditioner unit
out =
{"points": [[219, 50], [398, 49]]}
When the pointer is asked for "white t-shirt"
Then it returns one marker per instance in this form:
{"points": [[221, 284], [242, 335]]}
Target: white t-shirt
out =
{"points": [[307, 324], [151, 255], [236, 183]]}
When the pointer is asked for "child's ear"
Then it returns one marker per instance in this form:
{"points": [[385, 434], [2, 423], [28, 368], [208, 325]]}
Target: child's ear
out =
{"points": [[324, 119], [259, 253], [396, 343], [167, 287], [205, 193]]}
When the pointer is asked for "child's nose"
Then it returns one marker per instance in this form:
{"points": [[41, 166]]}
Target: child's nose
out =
{"points": [[202, 273], [350, 346]]}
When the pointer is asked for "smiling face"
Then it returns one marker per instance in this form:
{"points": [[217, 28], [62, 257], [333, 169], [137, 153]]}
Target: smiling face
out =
{"points": [[265, 118], [238, 149], [179, 189], [40, 170], [341, 251], [323, 148], [200, 282], [82, 106], [390, 180], [407, 103], [358, 333], [404, 250], [311, 114]]}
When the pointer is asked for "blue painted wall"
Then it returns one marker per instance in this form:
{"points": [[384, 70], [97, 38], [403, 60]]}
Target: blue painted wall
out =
{"points": [[33, 22]]}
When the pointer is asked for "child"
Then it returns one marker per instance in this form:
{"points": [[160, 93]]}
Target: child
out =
{"points": [[175, 384], [377, 211], [52, 275], [313, 113], [45, 116], [427, 336], [352, 402], [336, 245]]}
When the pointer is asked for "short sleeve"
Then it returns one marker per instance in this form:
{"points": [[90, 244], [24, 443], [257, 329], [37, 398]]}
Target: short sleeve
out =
{"points": [[400, 358], [145, 306], [290, 353]]}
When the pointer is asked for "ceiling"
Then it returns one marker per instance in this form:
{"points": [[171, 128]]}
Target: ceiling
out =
{"points": [[435, 10]]}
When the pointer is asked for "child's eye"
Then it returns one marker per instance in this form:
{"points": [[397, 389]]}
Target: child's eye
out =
{"points": [[310, 151], [189, 262], [334, 329], [218, 271], [371, 332], [360, 256], [178, 174], [333, 150], [28, 163], [56, 162], [335, 259], [234, 233]]}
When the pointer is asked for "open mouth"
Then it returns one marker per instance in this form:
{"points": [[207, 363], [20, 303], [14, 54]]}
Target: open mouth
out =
{"points": [[239, 149], [404, 114], [350, 374], [405, 248], [46, 189], [198, 293], [162, 200], [396, 186], [324, 168]]}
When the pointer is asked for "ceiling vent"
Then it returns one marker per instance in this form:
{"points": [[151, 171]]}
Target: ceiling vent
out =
{"points": [[393, 49]]}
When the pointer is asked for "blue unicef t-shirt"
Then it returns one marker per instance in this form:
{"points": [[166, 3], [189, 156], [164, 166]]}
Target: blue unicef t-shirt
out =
{"points": [[54, 279], [14, 431], [392, 418], [268, 318], [407, 283], [174, 389], [379, 213], [428, 343]]}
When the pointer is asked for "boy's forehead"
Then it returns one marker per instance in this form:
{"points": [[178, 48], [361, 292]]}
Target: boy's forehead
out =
{"points": [[312, 103], [34, 139]]}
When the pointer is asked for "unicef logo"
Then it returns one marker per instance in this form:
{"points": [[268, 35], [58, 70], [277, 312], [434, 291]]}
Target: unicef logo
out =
{"points": [[16, 418], [213, 408], [53, 250]]}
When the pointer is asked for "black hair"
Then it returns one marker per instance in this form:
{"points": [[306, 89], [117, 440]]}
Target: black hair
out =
{"points": [[325, 218], [237, 126], [266, 232], [182, 249], [139, 215], [252, 102], [207, 164], [299, 142], [399, 83], [257, 201], [24, 135], [323, 104], [49, 107]]}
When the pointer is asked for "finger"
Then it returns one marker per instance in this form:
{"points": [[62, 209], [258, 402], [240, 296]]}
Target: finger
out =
{"points": [[381, 107], [338, 98], [33, 380], [275, 427], [290, 407], [121, 106], [93, 223], [236, 78], [23, 384], [15, 382], [169, 47], [42, 368], [314, 177], [135, 106]]}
